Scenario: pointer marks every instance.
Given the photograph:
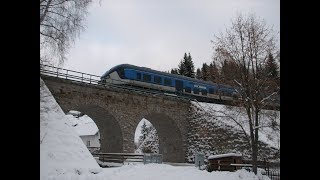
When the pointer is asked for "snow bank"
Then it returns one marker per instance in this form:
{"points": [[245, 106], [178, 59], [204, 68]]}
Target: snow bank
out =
{"points": [[62, 153], [168, 172]]}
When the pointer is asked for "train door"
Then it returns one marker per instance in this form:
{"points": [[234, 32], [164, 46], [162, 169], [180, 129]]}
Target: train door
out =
{"points": [[179, 85]]}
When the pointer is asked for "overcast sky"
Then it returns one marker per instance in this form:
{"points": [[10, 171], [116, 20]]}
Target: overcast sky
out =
{"points": [[157, 33]]}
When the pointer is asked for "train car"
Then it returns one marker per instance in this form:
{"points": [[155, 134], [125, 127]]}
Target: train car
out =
{"points": [[126, 74]]}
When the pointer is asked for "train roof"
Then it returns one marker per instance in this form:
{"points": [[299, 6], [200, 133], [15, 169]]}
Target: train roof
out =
{"points": [[162, 73]]}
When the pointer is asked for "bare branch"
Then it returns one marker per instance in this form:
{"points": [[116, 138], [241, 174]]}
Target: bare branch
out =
{"points": [[60, 23]]}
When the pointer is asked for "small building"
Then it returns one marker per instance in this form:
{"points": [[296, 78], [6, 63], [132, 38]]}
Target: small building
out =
{"points": [[225, 162], [87, 130]]}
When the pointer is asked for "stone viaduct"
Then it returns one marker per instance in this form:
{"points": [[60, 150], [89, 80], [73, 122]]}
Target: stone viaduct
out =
{"points": [[117, 114]]}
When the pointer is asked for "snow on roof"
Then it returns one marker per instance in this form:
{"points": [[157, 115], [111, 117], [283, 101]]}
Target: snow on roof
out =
{"points": [[84, 125], [74, 112], [224, 155]]}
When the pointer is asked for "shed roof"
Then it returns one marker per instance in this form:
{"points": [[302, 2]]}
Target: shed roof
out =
{"points": [[84, 125], [224, 155]]}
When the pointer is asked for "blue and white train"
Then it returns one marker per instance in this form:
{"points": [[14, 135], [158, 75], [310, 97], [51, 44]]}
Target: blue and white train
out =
{"points": [[126, 74]]}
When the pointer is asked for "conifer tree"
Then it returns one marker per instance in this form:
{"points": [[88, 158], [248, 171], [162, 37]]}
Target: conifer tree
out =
{"points": [[148, 140], [182, 67], [189, 66], [143, 132], [271, 67], [205, 72], [198, 74], [213, 72], [174, 71]]}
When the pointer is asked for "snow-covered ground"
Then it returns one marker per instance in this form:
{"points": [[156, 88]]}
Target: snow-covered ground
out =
{"points": [[64, 156], [168, 172]]}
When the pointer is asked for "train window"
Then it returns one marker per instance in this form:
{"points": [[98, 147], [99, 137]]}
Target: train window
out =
{"points": [[120, 72], [195, 91], [167, 82], [138, 76], [158, 79], [146, 77], [187, 89], [204, 92], [211, 91]]}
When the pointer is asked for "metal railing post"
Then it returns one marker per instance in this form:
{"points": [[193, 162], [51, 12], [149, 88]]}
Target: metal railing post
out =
{"points": [[67, 74], [81, 77], [90, 79]]}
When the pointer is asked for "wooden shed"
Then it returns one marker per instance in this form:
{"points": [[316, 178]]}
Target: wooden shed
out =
{"points": [[224, 162]]}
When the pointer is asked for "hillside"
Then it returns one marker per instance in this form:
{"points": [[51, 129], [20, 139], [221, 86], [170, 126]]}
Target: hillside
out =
{"points": [[212, 131]]}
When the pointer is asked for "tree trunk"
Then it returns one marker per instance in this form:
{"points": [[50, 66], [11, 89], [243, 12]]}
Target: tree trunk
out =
{"points": [[255, 156], [255, 144]]}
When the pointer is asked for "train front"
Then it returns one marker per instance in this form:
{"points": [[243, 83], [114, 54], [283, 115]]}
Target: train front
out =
{"points": [[114, 75]]}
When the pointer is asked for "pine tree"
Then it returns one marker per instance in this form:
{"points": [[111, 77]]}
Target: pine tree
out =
{"points": [[213, 72], [271, 67], [185, 67], [182, 66], [229, 72], [189, 66], [174, 71], [198, 74], [224, 72], [205, 72], [143, 132], [148, 140]]}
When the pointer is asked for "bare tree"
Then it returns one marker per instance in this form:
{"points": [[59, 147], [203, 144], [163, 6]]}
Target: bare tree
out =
{"points": [[248, 43], [60, 23]]}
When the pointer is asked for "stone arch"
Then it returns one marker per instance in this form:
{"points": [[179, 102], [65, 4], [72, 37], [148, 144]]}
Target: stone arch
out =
{"points": [[111, 137], [170, 137]]}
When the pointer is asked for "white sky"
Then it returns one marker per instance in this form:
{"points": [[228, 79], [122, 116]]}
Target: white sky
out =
{"points": [[156, 34]]}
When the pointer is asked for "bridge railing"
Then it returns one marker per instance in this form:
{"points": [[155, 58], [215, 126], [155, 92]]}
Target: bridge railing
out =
{"points": [[95, 80], [123, 158], [69, 74], [119, 157]]}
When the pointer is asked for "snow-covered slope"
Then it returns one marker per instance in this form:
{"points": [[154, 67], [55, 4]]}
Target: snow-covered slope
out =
{"points": [[267, 133], [212, 131], [63, 155]]}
